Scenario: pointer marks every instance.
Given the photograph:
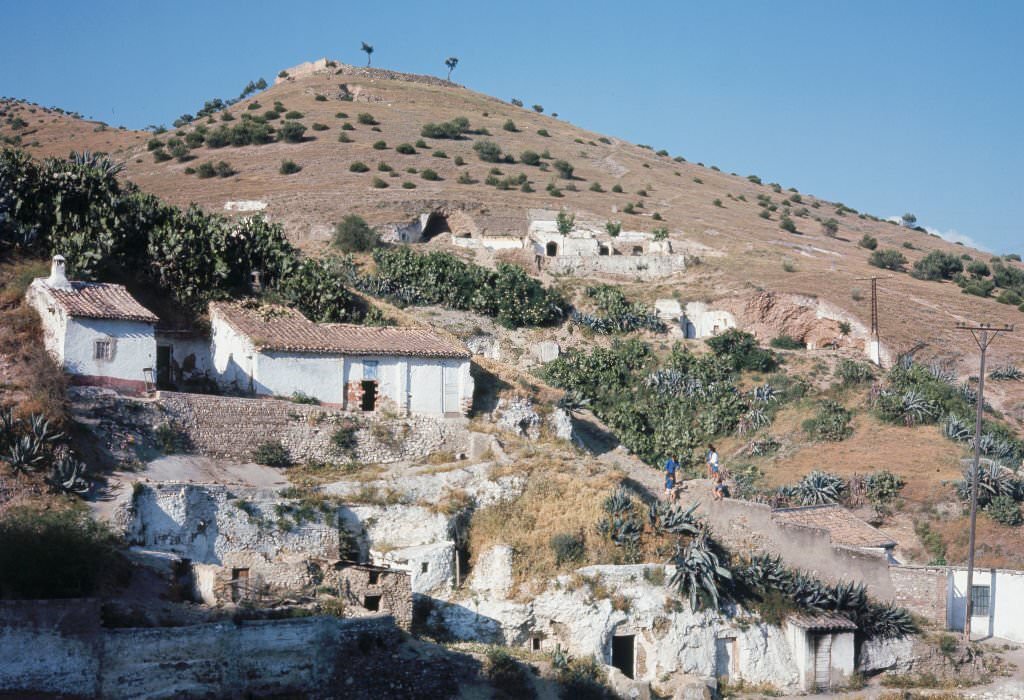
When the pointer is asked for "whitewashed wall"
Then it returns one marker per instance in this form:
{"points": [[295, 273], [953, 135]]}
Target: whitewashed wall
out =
{"points": [[133, 343], [51, 317], [702, 321], [415, 383], [842, 655], [233, 356], [285, 373], [183, 346], [1006, 614]]}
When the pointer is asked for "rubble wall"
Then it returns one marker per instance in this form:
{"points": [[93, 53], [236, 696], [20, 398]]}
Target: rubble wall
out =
{"points": [[230, 427], [646, 267], [923, 591]]}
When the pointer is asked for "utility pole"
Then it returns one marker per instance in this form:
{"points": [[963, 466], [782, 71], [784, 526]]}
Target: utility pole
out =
{"points": [[984, 334], [874, 342]]}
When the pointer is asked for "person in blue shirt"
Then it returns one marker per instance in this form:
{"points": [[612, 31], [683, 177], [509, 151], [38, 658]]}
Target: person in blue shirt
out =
{"points": [[670, 477]]}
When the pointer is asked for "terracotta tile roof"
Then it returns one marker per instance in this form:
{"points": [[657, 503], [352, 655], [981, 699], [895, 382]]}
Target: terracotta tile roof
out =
{"points": [[821, 622], [100, 300], [843, 526], [278, 328]]}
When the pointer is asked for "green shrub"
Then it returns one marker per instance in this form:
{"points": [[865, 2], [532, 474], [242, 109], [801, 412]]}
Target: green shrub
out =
{"points": [[509, 125], [366, 118], [408, 185], [883, 487], [353, 234], [543, 132], [529, 158], [317, 126], [428, 174], [378, 183], [272, 454], [320, 98], [341, 115], [205, 170], [568, 547], [344, 438], [888, 259], [617, 189], [1004, 510], [405, 149], [830, 227], [290, 132], [831, 423], [488, 151], [852, 372], [289, 167], [380, 145], [55, 553], [740, 350], [1009, 296], [937, 265], [439, 154], [359, 167], [787, 342], [294, 115], [787, 224], [564, 168], [979, 288], [978, 268], [596, 187]]}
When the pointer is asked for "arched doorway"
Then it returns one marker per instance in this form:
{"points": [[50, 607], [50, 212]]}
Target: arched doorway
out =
{"points": [[436, 224], [552, 249]]}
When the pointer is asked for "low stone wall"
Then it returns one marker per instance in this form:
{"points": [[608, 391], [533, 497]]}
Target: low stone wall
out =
{"points": [[646, 267], [922, 590], [59, 647], [230, 427]]}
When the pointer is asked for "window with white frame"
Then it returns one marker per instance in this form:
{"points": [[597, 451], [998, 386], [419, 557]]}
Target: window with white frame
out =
{"points": [[103, 349], [979, 601]]}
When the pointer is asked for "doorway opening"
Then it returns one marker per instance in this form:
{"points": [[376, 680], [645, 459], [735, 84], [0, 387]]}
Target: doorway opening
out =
{"points": [[435, 226], [371, 602], [551, 249], [369, 400], [623, 653], [638, 250], [163, 366], [603, 250], [239, 584]]}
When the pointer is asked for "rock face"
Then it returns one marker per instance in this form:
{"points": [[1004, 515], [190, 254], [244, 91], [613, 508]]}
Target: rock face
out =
{"points": [[485, 345], [492, 574], [665, 636], [517, 415], [546, 351], [560, 423]]}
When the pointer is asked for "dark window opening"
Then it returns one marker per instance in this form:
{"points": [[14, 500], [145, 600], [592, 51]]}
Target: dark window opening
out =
{"points": [[435, 226], [979, 601], [638, 250], [536, 643], [423, 567], [622, 653], [374, 577], [163, 366], [369, 400], [371, 602], [603, 250], [551, 249]]}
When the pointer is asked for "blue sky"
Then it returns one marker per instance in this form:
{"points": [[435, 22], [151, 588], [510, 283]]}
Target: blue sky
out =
{"points": [[886, 106]]}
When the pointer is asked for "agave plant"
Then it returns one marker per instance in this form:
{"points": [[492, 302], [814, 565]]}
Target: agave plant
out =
{"points": [[698, 573], [917, 409], [39, 429], [942, 373], [26, 455], [766, 572], [1006, 373], [670, 518], [68, 475], [808, 592], [765, 393], [847, 597], [993, 480], [97, 161], [10, 427], [753, 420], [885, 621], [997, 447], [763, 446], [956, 428], [619, 502], [819, 488], [623, 530]]}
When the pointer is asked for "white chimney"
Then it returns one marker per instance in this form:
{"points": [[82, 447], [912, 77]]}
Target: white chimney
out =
{"points": [[57, 278]]}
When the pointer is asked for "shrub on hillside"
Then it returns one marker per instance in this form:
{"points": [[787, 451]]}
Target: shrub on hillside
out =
{"points": [[830, 227], [937, 265], [366, 118], [509, 125], [568, 547], [868, 241], [1004, 510], [888, 259], [831, 422], [787, 342], [405, 149], [428, 174], [291, 132], [317, 126], [289, 167], [453, 129], [488, 151], [508, 677], [529, 158], [741, 351], [359, 167], [58, 553], [353, 234], [565, 169]]}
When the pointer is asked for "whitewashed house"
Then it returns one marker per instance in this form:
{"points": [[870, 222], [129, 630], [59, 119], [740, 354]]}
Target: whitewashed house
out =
{"points": [[98, 333], [274, 350], [823, 649], [997, 610]]}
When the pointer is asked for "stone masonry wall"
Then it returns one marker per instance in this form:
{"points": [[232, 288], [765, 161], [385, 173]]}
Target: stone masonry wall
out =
{"points": [[231, 428], [59, 648], [922, 590]]}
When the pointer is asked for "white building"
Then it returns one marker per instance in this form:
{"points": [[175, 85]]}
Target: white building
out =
{"points": [[98, 333], [274, 350], [823, 649], [997, 610]]}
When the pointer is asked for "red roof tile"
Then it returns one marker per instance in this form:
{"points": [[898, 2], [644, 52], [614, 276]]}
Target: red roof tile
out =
{"points": [[278, 328], [100, 300], [843, 526], [821, 622]]}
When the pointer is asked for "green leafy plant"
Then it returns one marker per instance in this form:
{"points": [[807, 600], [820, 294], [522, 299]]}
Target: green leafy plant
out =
{"points": [[272, 453], [830, 423]]}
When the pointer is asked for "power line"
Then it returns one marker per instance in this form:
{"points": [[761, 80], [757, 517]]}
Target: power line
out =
{"points": [[982, 338]]}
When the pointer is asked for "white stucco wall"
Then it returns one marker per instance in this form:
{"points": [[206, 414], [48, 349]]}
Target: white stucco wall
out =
{"points": [[841, 660], [701, 321], [1006, 615], [285, 373], [233, 356], [133, 343], [51, 317], [184, 346]]}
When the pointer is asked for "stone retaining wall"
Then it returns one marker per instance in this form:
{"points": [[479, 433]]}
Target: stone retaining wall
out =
{"points": [[923, 591], [230, 427], [60, 648]]}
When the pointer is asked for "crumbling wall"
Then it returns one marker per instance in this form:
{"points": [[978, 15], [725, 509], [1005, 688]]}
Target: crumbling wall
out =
{"points": [[356, 583], [923, 591], [231, 428], [646, 266]]}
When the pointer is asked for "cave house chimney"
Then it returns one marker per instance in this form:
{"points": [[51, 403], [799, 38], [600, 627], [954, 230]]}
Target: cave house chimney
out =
{"points": [[58, 279]]}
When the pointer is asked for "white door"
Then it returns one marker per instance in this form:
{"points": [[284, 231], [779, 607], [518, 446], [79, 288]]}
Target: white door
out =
{"points": [[450, 378], [822, 660]]}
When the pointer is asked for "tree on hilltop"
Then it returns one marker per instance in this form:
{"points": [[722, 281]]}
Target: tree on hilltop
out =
{"points": [[368, 48], [451, 62], [909, 220]]}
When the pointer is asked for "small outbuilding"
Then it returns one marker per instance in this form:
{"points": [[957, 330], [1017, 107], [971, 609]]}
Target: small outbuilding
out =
{"points": [[823, 649], [267, 349], [843, 527], [97, 332]]}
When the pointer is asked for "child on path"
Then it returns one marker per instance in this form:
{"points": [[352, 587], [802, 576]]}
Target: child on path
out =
{"points": [[671, 465]]}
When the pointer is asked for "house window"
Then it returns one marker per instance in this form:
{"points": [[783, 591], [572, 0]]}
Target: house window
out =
{"points": [[424, 566], [103, 350], [369, 369], [979, 601], [374, 578], [371, 602]]}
